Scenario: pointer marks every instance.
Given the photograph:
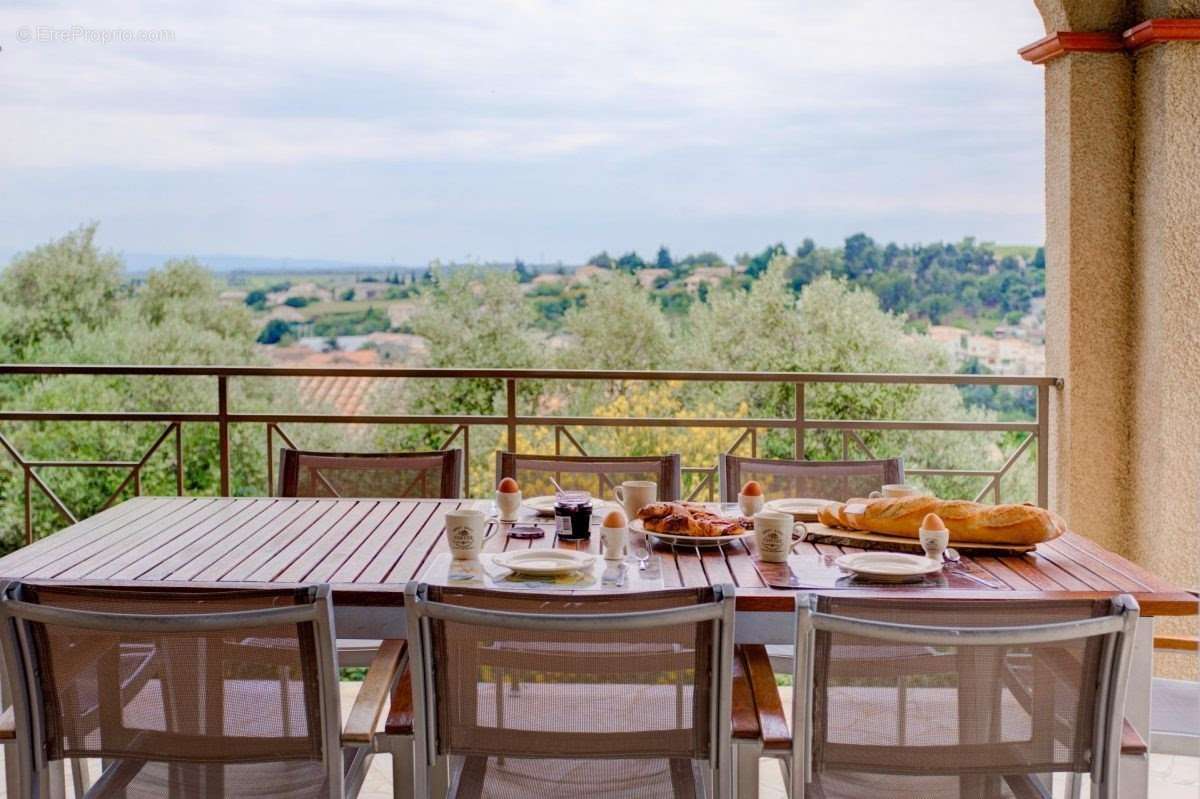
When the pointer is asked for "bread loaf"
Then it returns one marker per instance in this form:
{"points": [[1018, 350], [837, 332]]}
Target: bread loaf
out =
{"points": [[969, 522]]}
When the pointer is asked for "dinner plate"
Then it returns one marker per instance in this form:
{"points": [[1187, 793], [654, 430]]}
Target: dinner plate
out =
{"points": [[803, 508], [687, 540], [888, 567], [544, 505], [544, 561]]}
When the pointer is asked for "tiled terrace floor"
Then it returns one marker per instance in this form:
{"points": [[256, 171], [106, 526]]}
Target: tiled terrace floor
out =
{"points": [[1171, 777]]}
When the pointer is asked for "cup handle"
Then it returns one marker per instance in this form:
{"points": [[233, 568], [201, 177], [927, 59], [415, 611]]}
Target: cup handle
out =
{"points": [[875, 495], [495, 528], [619, 493]]}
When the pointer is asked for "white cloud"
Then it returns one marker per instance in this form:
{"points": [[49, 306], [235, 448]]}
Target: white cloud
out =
{"points": [[786, 86]]}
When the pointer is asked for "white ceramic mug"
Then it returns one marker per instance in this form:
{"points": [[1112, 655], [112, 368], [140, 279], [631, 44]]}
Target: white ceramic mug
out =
{"points": [[465, 533], [614, 541], [934, 542], [893, 490], [635, 495], [750, 504], [773, 534], [508, 505]]}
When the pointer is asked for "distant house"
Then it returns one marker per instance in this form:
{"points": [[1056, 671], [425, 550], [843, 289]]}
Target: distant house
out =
{"points": [[547, 279], [711, 275], [587, 272], [647, 277], [371, 291]]}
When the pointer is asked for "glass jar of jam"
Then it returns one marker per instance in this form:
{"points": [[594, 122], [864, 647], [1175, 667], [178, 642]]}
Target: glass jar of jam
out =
{"points": [[573, 515]]}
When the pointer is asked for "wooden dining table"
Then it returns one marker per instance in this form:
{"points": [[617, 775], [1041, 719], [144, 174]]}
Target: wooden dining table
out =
{"points": [[368, 549]]}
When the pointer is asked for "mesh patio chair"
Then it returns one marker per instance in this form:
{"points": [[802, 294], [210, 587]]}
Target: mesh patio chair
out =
{"points": [[621, 695], [836, 480], [1011, 689], [416, 475], [189, 694], [374, 475], [599, 475]]}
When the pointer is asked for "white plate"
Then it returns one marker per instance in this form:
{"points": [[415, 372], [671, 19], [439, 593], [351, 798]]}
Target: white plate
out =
{"points": [[544, 505], [544, 561], [889, 567], [803, 508], [636, 526]]}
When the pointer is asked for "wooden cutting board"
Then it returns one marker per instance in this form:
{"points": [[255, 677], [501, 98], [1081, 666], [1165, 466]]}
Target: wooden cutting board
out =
{"points": [[820, 534]]}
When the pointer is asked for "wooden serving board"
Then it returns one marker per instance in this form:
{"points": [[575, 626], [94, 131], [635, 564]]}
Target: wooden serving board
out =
{"points": [[820, 534]]}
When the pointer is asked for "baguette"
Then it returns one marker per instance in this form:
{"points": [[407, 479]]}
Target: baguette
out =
{"points": [[968, 522]]}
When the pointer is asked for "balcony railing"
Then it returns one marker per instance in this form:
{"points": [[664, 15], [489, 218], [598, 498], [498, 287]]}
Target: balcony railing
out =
{"points": [[1033, 434]]}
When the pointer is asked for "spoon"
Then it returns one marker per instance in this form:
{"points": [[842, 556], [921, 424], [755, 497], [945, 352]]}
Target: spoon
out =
{"points": [[557, 487], [951, 556]]}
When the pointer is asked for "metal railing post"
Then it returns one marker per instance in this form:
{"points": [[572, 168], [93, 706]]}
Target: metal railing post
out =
{"points": [[223, 430], [510, 412], [1043, 446], [799, 421]]}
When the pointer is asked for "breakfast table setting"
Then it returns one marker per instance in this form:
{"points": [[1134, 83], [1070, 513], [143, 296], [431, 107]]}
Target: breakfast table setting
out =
{"points": [[769, 548]]}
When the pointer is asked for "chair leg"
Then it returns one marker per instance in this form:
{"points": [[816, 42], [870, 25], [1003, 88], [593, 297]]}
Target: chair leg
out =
{"points": [[401, 750], [785, 771], [79, 777], [747, 770], [439, 784]]}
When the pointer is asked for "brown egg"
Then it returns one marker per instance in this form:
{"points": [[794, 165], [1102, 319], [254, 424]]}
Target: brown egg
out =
{"points": [[932, 522], [752, 489], [614, 519], [508, 486]]}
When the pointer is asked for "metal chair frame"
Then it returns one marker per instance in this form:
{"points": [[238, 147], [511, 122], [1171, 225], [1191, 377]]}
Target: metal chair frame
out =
{"points": [[1116, 628], [430, 766], [668, 467], [21, 663], [291, 461], [730, 466]]}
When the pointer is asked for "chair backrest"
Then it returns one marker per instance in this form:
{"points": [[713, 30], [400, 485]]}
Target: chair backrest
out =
{"points": [[638, 675], [1005, 687], [836, 480], [374, 475], [137, 674], [599, 475]]}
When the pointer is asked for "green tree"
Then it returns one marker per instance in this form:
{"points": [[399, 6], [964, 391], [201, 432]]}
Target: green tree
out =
{"points": [[663, 259], [620, 327], [273, 331], [58, 290]]}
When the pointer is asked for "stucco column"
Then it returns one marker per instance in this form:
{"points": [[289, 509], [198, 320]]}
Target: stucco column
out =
{"points": [[1165, 445], [1089, 320], [1123, 277]]}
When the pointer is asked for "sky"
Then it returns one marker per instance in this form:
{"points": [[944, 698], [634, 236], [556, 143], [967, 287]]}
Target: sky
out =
{"points": [[401, 132]]}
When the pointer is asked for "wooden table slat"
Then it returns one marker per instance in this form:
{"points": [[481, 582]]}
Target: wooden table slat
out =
{"points": [[196, 553], [182, 530], [265, 563], [352, 570], [369, 548], [386, 517], [241, 547], [101, 547]]}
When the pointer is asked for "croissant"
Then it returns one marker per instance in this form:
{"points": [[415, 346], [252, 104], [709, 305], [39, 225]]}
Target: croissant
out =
{"points": [[969, 522], [688, 518]]}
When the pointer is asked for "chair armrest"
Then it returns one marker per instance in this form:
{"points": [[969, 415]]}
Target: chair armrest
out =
{"points": [[373, 695], [768, 706], [400, 714], [8, 725]]}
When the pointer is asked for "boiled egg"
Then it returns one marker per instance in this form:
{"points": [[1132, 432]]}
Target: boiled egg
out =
{"points": [[752, 489], [508, 486], [614, 519], [932, 522]]}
